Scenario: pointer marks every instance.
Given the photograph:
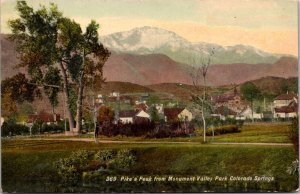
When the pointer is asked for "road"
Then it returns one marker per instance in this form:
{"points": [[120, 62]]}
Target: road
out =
{"points": [[160, 142]]}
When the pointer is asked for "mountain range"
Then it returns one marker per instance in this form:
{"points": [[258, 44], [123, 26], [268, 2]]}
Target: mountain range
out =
{"points": [[159, 68], [152, 40], [150, 69]]}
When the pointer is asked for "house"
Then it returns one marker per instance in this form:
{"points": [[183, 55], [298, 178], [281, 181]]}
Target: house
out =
{"points": [[130, 116], [141, 106], [247, 114], [233, 101], [174, 114], [44, 117], [286, 106], [285, 100], [289, 111], [114, 94], [224, 112]]}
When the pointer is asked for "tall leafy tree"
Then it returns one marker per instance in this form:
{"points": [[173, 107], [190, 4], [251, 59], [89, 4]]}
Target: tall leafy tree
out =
{"points": [[250, 92], [46, 41]]}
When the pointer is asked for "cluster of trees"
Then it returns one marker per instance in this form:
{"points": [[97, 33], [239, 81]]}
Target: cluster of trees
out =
{"points": [[58, 55]]}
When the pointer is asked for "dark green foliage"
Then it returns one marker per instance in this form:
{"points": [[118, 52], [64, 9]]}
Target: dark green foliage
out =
{"points": [[294, 134], [70, 168], [37, 127], [51, 128], [154, 114], [104, 156], [223, 130], [45, 39], [52, 77], [124, 159], [10, 128], [19, 88], [250, 91]]}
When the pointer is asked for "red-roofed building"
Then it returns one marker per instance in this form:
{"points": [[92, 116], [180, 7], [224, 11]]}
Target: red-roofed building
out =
{"points": [[44, 117], [289, 111], [285, 100], [233, 101]]}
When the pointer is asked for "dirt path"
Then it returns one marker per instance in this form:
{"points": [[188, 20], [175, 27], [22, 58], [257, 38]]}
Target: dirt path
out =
{"points": [[159, 142]]}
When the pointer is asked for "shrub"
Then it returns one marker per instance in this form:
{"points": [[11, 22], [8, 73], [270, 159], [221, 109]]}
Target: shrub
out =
{"points": [[124, 159], [51, 128], [104, 156], [70, 168], [294, 134], [219, 130], [11, 128], [36, 127]]}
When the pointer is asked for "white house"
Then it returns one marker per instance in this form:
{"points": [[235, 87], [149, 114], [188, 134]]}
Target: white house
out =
{"points": [[142, 114], [286, 106], [247, 114], [129, 116], [285, 100], [289, 111]]}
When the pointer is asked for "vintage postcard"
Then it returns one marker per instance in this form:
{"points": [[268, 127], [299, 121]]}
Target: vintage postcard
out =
{"points": [[122, 96]]}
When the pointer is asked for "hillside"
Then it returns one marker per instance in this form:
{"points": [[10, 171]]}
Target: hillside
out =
{"points": [[123, 87], [157, 68], [273, 85], [145, 69]]}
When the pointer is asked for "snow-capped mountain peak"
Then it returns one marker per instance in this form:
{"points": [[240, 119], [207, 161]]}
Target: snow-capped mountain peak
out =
{"points": [[149, 40]]}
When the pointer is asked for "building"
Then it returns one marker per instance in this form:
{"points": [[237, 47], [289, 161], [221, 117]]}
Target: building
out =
{"points": [[233, 101], [44, 117], [130, 116], [141, 106], [285, 100], [223, 112], [289, 111], [247, 114], [177, 114], [286, 106]]}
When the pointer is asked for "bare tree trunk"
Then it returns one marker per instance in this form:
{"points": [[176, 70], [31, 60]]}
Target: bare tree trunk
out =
{"points": [[67, 101], [203, 116], [79, 106]]}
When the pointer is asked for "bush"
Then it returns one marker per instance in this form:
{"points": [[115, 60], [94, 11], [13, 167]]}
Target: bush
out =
{"points": [[124, 159], [51, 128], [36, 127], [105, 157], [10, 128], [294, 134], [219, 130], [70, 168]]}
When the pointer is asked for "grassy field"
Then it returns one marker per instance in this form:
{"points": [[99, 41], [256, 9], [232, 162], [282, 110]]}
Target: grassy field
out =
{"points": [[27, 166], [260, 133]]}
